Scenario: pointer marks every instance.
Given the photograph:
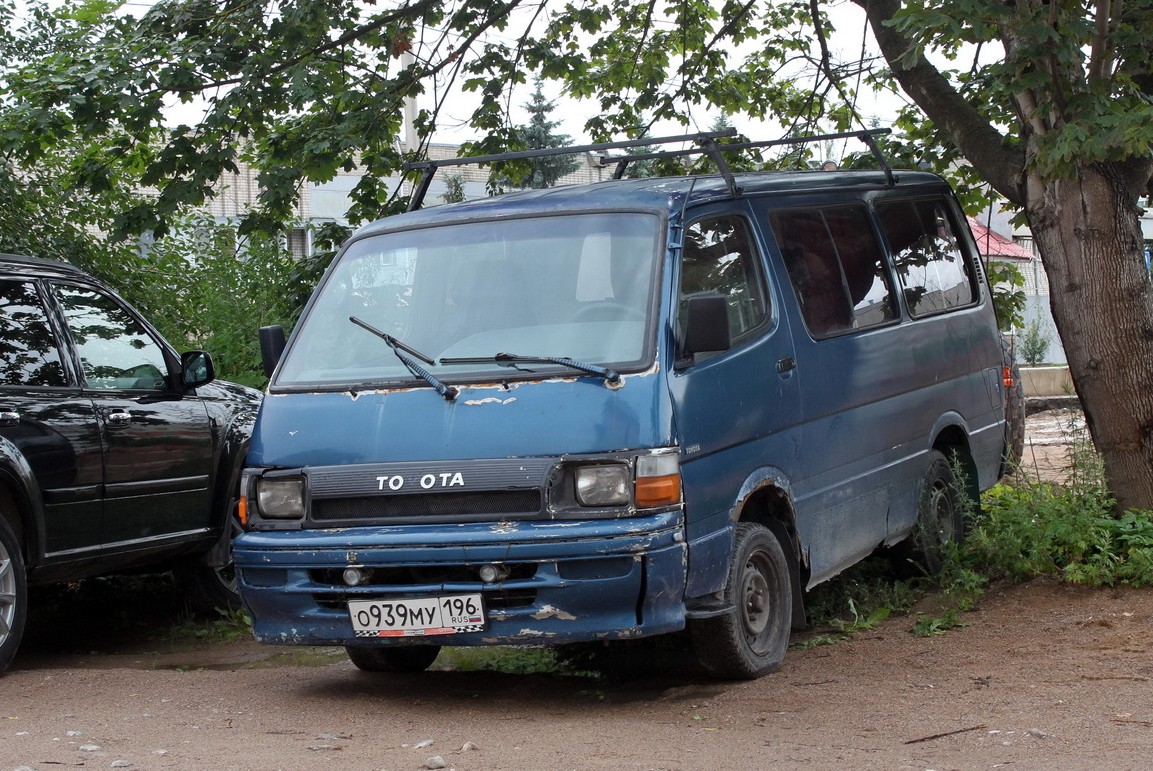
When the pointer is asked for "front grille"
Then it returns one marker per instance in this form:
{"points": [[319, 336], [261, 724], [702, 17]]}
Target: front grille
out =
{"points": [[501, 599], [477, 505], [423, 575]]}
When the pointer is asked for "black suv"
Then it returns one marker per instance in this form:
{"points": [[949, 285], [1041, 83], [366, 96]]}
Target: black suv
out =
{"points": [[116, 451]]}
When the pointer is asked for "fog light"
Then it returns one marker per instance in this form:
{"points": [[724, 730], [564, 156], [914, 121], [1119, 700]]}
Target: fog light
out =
{"points": [[490, 574], [354, 576]]}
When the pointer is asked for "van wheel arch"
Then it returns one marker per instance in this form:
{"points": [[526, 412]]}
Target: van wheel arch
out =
{"points": [[954, 445]]}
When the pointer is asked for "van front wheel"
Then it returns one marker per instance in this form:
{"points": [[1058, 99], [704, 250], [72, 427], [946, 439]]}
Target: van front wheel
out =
{"points": [[406, 658], [750, 639]]}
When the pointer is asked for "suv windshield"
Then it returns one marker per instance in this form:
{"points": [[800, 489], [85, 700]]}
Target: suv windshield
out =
{"points": [[576, 287]]}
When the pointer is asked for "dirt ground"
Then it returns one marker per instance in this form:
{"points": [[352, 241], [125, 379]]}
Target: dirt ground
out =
{"points": [[1043, 675], [1050, 437]]}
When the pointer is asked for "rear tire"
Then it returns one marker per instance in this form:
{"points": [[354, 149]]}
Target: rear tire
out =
{"points": [[940, 517], [13, 595], [407, 658], [750, 640]]}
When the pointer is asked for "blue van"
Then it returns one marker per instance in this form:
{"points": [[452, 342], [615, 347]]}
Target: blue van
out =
{"points": [[618, 410]]}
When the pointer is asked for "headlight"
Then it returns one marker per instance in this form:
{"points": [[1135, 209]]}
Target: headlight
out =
{"points": [[280, 498], [606, 485]]}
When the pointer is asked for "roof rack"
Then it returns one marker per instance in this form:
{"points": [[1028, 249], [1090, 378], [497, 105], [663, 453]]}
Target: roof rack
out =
{"points": [[705, 140]]}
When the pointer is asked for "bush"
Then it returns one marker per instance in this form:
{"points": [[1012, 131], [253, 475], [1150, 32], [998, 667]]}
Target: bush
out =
{"points": [[1042, 529], [1034, 343]]}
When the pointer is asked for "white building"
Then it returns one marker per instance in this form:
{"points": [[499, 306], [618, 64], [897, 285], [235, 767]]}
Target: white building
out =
{"points": [[330, 201]]}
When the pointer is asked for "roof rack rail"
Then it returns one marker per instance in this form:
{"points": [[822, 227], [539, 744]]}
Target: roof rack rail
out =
{"points": [[706, 140]]}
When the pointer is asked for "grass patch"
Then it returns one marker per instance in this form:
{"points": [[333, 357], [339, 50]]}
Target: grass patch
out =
{"points": [[231, 626], [508, 660]]}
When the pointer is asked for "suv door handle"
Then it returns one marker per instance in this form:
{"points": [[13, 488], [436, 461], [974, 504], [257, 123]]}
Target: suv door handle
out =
{"points": [[9, 417], [787, 364], [119, 418]]}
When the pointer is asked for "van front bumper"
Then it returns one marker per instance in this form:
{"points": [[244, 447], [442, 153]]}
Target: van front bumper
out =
{"points": [[564, 581]]}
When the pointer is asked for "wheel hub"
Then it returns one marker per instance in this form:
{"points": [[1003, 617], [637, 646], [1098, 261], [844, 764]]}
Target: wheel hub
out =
{"points": [[755, 604]]}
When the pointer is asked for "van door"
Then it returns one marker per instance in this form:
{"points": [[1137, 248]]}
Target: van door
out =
{"points": [[731, 407], [852, 369]]}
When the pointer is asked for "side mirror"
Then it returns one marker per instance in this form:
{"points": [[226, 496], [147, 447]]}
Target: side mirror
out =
{"points": [[197, 368], [706, 325], [271, 347]]}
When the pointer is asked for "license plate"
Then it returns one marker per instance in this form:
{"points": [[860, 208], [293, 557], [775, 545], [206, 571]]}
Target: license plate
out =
{"points": [[452, 614]]}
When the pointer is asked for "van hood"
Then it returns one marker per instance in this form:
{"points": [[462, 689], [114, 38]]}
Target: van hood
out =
{"points": [[568, 416]]}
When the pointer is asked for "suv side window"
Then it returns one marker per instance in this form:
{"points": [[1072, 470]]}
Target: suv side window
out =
{"points": [[29, 354], [836, 267], [719, 258], [116, 352], [934, 274]]}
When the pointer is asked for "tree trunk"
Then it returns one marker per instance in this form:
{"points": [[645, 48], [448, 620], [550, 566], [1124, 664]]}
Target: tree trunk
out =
{"points": [[1088, 233]]}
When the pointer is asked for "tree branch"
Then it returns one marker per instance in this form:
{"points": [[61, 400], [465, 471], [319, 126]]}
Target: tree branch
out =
{"points": [[826, 60], [984, 147]]}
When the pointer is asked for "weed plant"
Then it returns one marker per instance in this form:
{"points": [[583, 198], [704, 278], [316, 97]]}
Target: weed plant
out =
{"points": [[1071, 530]]}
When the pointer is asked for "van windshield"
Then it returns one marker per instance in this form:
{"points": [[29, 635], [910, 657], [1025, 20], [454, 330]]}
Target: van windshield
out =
{"points": [[578, 286]]}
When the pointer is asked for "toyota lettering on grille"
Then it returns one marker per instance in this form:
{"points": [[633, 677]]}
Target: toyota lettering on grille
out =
{"points": [[443, 479]]}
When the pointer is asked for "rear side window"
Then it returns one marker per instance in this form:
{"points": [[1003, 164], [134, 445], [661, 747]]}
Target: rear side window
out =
{"points": [[934, 274], [29, 355], [836, 267], [719, 258]]}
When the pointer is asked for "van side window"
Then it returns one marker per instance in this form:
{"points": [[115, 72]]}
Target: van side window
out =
{"points": [[934, 274], [719, 258], [836, 267]]}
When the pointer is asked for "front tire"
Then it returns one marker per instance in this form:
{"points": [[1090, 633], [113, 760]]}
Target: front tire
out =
{"points": [[750, 640], [406, 658], [212, 588], [13, 595], [209, 589]]}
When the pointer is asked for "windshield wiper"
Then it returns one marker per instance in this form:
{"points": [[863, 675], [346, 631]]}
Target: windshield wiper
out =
{"points": [[511, 360], [448, 392]]}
